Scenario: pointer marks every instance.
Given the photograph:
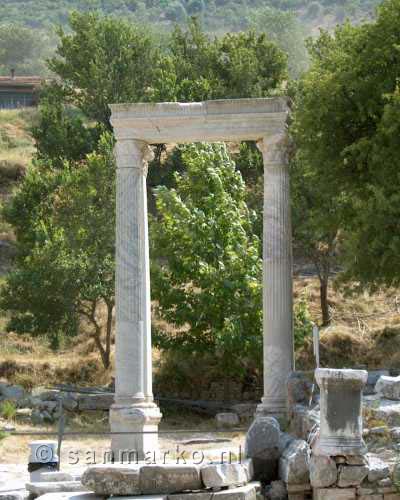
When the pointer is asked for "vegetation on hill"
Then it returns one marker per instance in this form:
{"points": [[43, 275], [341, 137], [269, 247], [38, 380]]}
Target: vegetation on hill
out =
{"points": [[27, 28], [232, 14]]}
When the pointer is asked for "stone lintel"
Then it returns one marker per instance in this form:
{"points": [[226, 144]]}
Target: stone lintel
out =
{"points": [[220, 120]]}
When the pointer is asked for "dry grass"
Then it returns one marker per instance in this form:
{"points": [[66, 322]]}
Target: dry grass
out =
{"points": [[365, 332], [365, 329]]}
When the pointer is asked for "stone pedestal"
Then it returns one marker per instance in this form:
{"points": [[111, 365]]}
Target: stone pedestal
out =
{"points": [[133, 410], [42, 458], [341, 412], [277, 277]]}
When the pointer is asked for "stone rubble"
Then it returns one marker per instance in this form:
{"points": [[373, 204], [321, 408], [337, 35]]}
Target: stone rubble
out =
{"points": [[171, 479], [378, 469], [263, 446], [41, 488], [323, 471], [221, 475], [294, 464], [388, 387], [351, 475], [81, 495], [155, 479], [14, 495], [118, 479], [227, 420]]}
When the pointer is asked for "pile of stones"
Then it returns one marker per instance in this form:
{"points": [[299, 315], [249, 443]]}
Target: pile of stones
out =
{"points": [[383, 403], [43, 405], [280, 460], [165, 481], [362, 477]]}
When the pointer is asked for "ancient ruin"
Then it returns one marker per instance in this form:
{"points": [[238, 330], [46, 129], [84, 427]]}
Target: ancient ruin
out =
{"points": [[136, 127]]}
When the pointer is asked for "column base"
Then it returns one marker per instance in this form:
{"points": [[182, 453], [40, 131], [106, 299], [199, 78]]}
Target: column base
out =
{"points": [[272, 407], [136, 418], [337, 446]]}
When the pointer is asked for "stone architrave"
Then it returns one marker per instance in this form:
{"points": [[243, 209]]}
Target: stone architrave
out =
{"points": [[136, 126], [341, 412]]}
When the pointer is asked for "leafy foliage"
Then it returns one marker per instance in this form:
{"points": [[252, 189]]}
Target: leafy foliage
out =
{"points": [[109, 60], [64, 269], [347, 129], [22, 49], [8, 410], [208, 282]]}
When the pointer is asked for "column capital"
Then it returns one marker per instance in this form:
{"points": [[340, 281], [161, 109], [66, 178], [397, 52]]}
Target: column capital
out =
{"points": [[275, 148], [133, 153]]}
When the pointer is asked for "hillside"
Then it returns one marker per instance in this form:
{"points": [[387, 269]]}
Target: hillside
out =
{"points": [[217, 15], [16, 148]]}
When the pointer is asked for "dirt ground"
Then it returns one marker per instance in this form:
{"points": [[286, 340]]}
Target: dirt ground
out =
{"points": [[78, 452]]}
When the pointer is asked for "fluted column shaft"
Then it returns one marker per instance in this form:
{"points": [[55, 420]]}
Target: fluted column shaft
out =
{"points": [[134, 414], [277, 276], [132, 288]]}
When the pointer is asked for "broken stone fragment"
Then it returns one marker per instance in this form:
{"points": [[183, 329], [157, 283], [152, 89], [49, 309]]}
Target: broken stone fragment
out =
{"points": [[223, 474], [277, 491], [263, 445], [141, 497], [41, 488], [200, 495], [56, 476], [357, 460], [377, 469], [14, 495], [112, 479], [335, 494], [169, 478], [323, 471], [80, 495], [294, 464], [247, 492], [388, 387], [351, 475], [227, 419]]}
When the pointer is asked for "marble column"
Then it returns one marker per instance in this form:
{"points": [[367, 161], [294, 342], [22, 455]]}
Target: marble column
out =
{"points": [[134, 410], [277, 276]]}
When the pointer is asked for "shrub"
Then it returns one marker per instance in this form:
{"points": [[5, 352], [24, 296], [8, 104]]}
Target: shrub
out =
{"points": [[302, 322], [8, 410]]}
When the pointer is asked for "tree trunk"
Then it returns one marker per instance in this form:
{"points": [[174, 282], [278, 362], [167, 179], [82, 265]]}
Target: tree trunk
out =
{"points": [[323, 289]]}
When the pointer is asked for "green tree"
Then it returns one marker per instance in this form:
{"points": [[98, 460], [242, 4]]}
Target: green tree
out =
{"points": [[23, 50], [208, 282], [64, 271], [63, 214], [61, 133], [346, 126], [286, 31], [316, 225], [109, 60], [236, 65]]}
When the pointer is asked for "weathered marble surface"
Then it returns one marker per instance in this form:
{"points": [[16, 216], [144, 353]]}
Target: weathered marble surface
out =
{"points": [[277, 275], [134, 410], [341, 412], [136, 126]]}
